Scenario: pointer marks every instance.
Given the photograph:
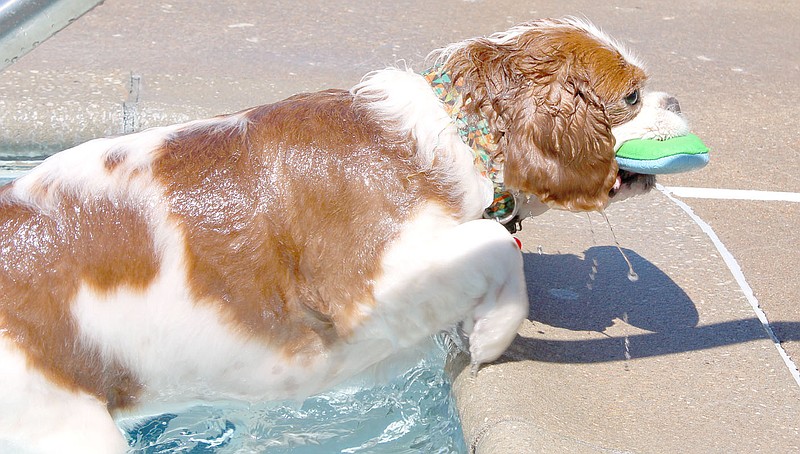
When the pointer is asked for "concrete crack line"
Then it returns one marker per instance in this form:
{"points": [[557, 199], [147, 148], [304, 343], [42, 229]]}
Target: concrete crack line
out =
{"points": [[736, 270]]}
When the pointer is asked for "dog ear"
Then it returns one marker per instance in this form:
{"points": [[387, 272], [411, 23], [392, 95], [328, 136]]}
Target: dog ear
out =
{"points": [[545, 105], [559, 147]]}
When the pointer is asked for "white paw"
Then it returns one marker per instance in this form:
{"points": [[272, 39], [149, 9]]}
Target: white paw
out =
{"points": [[498, 316]]}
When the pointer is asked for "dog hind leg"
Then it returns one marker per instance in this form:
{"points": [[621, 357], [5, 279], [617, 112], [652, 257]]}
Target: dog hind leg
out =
{"points": [[40, 417]]}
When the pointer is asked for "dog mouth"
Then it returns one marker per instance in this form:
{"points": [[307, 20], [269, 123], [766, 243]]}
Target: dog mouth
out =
{"points": [[639, 182]]}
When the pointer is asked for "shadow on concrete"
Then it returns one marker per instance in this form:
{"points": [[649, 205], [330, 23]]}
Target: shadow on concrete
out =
{"points": [[564, 295]]}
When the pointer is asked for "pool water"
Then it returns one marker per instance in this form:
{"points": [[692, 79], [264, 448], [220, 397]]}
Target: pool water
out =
{"points": [[413, 413]]}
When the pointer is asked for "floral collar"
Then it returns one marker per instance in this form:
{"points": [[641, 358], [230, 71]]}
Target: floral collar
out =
{"points": [[474, 131]]}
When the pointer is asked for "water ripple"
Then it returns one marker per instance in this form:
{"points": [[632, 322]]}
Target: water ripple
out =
{"points": [[413, 413]]}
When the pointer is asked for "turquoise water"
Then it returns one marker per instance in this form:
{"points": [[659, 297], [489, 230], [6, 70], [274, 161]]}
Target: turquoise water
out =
{"points": [[414, 413]]}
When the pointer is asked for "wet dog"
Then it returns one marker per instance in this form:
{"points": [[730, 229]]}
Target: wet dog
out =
{"points": [[275, 252]]}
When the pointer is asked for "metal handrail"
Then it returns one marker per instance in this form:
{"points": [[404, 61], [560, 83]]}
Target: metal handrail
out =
{"points": [[24, 24]]}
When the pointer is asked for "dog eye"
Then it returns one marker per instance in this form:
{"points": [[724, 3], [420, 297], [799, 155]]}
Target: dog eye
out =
{"points": [[632, 98]]}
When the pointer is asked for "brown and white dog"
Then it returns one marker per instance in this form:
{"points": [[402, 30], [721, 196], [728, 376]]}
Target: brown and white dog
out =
{"points": [[275, 252]]}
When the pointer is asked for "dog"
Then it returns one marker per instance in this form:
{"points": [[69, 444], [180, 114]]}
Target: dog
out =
{"points": [[281, 250]]}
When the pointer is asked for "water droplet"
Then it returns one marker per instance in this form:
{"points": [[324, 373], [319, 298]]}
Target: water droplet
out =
{"points": [[632, 276], [592, 275], [627, 340]]}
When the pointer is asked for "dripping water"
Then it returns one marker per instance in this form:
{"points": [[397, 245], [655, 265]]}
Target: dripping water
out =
{"points": [[627, 342], [632, 276], [593, 273]]}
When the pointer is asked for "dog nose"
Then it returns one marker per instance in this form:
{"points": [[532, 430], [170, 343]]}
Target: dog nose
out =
{"points": [[671, 103]]}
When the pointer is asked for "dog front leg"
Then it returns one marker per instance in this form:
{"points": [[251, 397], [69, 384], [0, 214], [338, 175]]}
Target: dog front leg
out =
{"points": [[470, 273]]}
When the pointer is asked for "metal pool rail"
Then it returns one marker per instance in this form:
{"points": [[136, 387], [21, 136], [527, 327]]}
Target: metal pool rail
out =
{"points": [[24, 24]]}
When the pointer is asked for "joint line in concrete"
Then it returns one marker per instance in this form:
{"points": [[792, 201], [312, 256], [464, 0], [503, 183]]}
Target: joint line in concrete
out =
{"points": [[733, 194], [736, 270]]}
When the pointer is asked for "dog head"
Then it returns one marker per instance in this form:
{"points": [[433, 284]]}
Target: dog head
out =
{"points": [[560, 96]]}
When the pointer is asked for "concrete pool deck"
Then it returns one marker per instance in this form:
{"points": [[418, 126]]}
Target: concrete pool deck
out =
{"points": [[677, 361], [684, 359]]}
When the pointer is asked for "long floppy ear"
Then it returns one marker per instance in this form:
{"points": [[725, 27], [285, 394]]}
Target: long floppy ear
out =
{"points": [[539, 94], [559, 147]]}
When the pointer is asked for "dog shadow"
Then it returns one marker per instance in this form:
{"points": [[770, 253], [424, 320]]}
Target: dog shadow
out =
{"points": [[588, 294], [592, 293]]}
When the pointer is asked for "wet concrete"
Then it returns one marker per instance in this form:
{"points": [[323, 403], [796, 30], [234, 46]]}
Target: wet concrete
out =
{"points": [[677, 361]]}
